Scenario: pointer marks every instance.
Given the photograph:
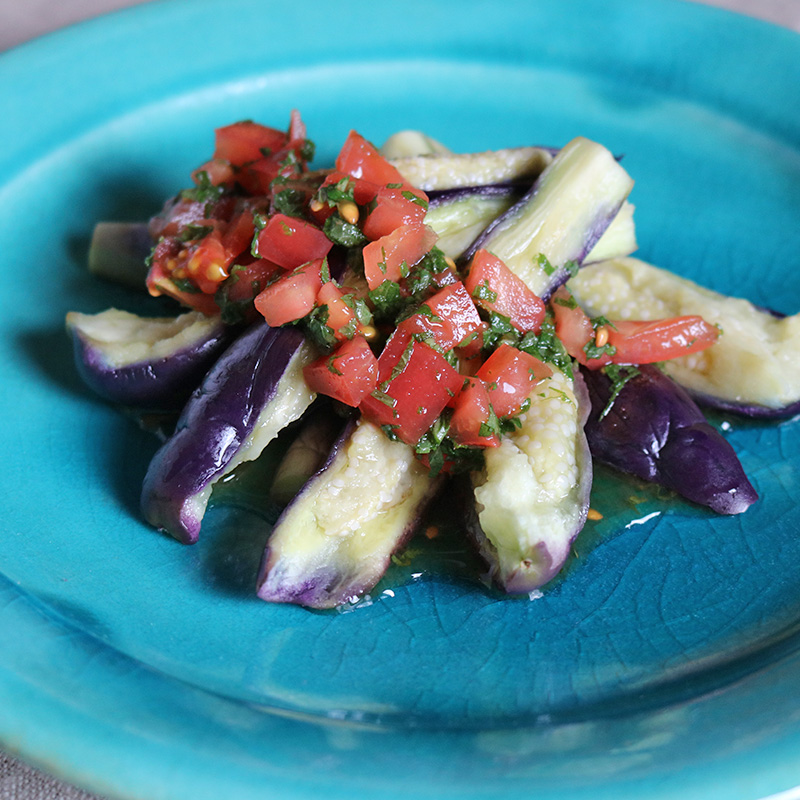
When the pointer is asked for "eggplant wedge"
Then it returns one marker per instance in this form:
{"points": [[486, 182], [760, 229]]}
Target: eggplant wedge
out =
{"points": [[252, 392], [753, 369], [653, 429], [557, 224], [532, 497], [118, 252], [149, 363], [335, 540], [437, 171]]}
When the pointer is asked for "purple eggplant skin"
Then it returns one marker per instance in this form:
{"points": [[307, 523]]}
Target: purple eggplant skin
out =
{"points": [[118, 252], [532, 533], [751, 410], [161, 384], [308, 560], [654, 430], [215, 425]]}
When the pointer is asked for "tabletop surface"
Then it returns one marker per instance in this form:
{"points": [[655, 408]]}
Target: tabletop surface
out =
{"points": [[22, 21]]}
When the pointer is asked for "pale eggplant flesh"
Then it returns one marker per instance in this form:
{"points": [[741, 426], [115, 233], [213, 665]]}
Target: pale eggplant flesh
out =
{"points": [[532, 497], [654, 430], [432, 171], [335, 540], [754, 367], [147, 363], [549, 233], [253, 391]]}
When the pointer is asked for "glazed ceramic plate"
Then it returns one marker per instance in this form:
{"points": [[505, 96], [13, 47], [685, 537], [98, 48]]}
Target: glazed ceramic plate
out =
{"points": [[662, 664]]}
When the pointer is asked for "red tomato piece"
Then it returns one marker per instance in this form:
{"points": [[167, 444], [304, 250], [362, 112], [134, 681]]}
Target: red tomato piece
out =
{"points": [[413, 393], [348, 374], [394, 206], [496, 288], [510, 376], [208, 262], [290, 242], [574, 328], [472, 410], [238, 234], [247, 280], [448, 317], [361, 159], [247, 141], [218, 170], [390, 257], [159, 282], [256, 178], [630, 341], [659, 340], [341, 317], [292, 295], [364, 192]]}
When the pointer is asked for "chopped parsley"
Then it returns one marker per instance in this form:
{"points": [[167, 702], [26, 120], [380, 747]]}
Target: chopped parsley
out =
{"points": [[619, 375], [342, 232]]}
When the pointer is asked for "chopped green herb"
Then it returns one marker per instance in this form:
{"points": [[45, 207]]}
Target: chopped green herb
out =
{"points": [[203, 192], [544, 264], [290, 202], [484, 292], [344, 233], [193, 232], [387, 300], [415, 199], [620, 375], [317, 329]]}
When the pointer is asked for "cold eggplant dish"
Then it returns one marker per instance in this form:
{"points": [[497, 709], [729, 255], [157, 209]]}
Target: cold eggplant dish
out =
{"points": [[428, 324]]}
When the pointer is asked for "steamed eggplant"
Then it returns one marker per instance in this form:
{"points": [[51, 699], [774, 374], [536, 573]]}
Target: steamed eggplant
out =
{"points": [[145, 362], [654, 430], [118, 251], [253, 391], [437, 171], [460, 215], [753, 369], [532, 497], [336, 538], [561, 219]]}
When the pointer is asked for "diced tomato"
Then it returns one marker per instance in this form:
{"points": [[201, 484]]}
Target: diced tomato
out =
{"points": [[292, 295], [341, 317], [510, 376], [361, 159], [218, 170], [247, 141], [573, 327], [159, 282], [448, 317], [413, 393], [660, 340], [290, 242], [496, 288], [629, 341], [297, 128], [247, 280], [394, 206], [390, 257], [364, 192], [208, 262], [348, 374], [175, 216], [472, 410], [256, 178], [238, 234]]}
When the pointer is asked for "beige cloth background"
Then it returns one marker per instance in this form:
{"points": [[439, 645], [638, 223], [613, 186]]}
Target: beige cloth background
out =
{"points": [[21, 20]]}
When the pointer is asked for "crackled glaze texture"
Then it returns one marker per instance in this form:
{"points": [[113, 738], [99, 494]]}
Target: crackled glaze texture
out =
{"points": [[661, 663]]}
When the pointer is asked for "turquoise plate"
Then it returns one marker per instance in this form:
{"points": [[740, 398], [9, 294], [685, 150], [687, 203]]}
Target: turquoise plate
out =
{"points": [[664, 663]]}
